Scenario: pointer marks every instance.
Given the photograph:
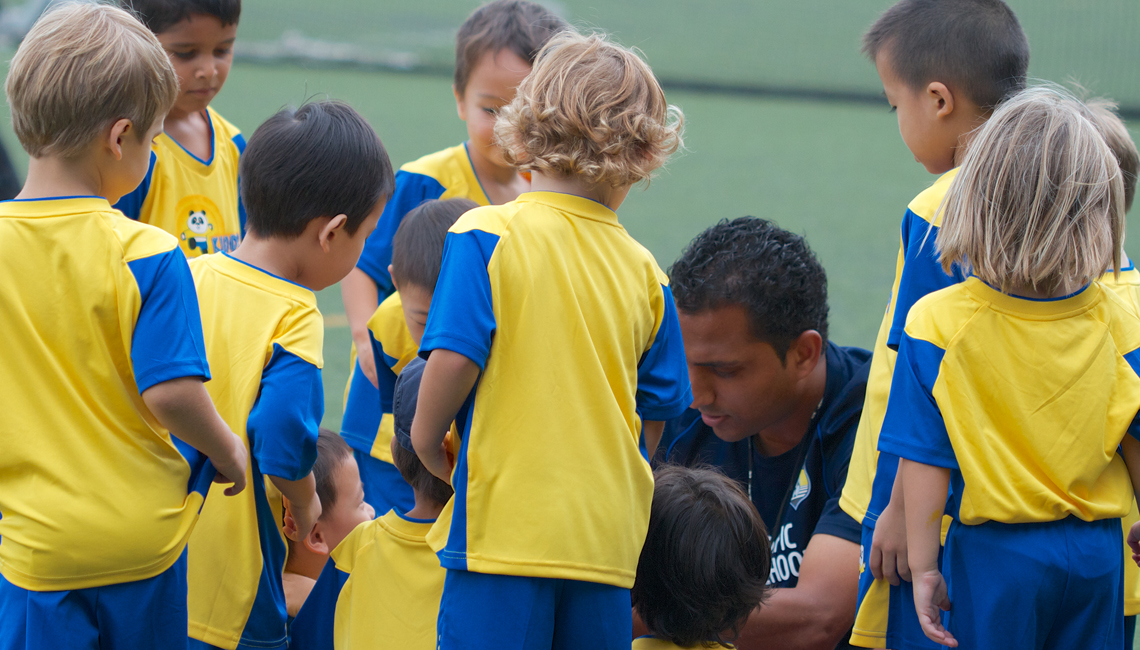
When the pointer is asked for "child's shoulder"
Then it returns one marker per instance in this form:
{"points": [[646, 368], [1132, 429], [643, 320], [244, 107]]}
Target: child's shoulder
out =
{"points": [[938, 316], [224, 127], [442, 164], [928, 201], [390, 330], [138, 239]]}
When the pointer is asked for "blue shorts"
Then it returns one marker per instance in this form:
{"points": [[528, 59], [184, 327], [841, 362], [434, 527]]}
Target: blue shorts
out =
{"points": [[482, 611], [1054, 585], [384, 487], [147, 613], [885, 616]]}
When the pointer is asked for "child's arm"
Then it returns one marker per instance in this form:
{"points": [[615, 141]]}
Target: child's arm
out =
{"points": [[360, 301], [301, 504], [888, 559], [1130, 451], [924, 490], [447, 381], [184, 407], [652, 430]]}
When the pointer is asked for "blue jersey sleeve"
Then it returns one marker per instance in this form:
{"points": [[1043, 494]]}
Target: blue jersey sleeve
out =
{"points": [[283, 423], [921, 274], [663, 390], [385, 376], [462, 318], [167, 341], [239, 142], [1133, 359], [913, 427], [411, 190], [313, 627], [131, 204]]}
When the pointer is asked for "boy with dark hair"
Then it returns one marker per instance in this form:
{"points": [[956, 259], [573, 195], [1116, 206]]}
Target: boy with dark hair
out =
{"points": [[701, 571], [775, 408], [494, 50], [342, 508], [383, 587], [314, 180], [106, 362], [191, 187], [944, 65]]}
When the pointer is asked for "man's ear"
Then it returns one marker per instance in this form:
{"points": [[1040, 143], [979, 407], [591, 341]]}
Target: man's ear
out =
{"points": [[940, 98], [805, 353], [119, 130], [330, 230], [316, 542]]}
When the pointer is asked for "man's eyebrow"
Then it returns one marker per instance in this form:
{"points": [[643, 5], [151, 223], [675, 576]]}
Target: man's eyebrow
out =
{"points": [[715, 364]]}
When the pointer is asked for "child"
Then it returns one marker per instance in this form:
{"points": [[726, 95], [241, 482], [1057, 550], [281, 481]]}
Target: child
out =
{"points": [[342, 508], [1018, 386], [705, 563], [944, 65], [191, 187], [397, 325], [553, 330], [105, 354], [314, 181], [386, 583], [494, 51]]}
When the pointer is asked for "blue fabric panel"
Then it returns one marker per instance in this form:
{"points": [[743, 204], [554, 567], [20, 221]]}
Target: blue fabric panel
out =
{"points": [[663, 390], [1133, 359], [239, 142], [411, 190], [167, 342], [283, 423], [462, 318], [131, 204], [314, 625], [913, 427], [267, 623], [384, 487], [922, 272]]}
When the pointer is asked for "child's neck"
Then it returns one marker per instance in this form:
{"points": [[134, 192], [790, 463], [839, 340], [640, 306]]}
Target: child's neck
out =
{"points": [[50, 176], [191, 130], [607, 195], [424, 508], [500, 184], [1038, 294], [304, 562], [273, 255]]}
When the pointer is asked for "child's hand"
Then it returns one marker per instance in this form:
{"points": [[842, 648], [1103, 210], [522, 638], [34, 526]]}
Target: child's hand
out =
{"points": [[888, 560], [300, 517], [930, 600], [365, 359], [231, 466], [443, 462], [1134, 541]]}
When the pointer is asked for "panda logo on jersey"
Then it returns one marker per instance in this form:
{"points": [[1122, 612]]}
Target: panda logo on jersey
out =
{"points": [[195, 236]]}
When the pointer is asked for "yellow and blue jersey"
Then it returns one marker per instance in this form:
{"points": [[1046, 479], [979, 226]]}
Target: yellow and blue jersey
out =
{"points": [[97, 309], [383, 582], [446, 174], [264, 335], [195, 200], [655, 643], [918, 272], [575, 332], [1026, 401]]}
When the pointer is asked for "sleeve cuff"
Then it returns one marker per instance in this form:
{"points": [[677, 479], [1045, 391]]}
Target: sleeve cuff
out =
{"points": [[916, 453], [662, 412], [197, 368], [470, 349]]}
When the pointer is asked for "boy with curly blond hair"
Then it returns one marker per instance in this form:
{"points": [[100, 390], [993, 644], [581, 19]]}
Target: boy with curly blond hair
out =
{"points": [[553, 343]]}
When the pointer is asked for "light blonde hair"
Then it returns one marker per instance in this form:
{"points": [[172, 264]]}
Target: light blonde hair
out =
{"points": [[1102, 112], [589, 108], [1039, 202], [80, 68]]}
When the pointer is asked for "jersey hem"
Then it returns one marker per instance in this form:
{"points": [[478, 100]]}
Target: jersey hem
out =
{"points": [[868, 639], [32, 583], [856, 513], [206, 634], [554, 570]]}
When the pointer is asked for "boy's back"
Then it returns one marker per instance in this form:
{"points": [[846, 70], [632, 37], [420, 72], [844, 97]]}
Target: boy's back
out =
{"points": [[95, 315]]}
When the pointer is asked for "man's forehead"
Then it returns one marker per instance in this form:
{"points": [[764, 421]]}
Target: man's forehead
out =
{"points": [[724, 332]]}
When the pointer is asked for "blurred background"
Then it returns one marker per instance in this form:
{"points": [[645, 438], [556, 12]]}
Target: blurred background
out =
{"points": [[785, 118]]}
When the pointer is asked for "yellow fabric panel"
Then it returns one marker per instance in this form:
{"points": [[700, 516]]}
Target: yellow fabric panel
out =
{"points": [[245, 312], [196, 202], [394, 586], [856, 495], [390, 330], [1036, 397], [74, 422], [651, 643], [452, 168]]}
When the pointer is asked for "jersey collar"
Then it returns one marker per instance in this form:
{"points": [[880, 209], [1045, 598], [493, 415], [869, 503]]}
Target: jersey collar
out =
{"points": [[51, 206], [578, 206]]}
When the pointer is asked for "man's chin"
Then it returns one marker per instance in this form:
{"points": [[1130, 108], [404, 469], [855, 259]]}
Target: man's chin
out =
{"points": [[724, 427]]}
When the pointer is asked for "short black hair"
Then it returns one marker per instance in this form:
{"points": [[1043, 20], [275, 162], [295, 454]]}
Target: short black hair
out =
{"points": [[416, 475], [973, 46], [770, 272], [319, 160], [159, 15], [332, 452], [417, 246], [706, 559], [516, 25]]}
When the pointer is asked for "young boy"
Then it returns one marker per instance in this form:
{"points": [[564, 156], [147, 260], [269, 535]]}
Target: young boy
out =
{"points": [[944, 65], [494, 51], [105, 357], [191, 187], [1018, 386], [386, 582], [342, 508], [314, 181], [553, 341], [704, 567]]}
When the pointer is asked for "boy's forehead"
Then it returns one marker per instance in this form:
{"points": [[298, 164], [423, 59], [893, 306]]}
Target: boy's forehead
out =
{"points": [[197, 27]]}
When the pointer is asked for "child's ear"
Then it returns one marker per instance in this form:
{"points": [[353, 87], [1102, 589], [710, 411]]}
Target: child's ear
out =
{"points": [[459, 107], [330, 230], [940, 98], [395, 285], [119, 130], [316, 542]]}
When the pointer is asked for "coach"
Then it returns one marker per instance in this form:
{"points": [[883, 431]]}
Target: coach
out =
{"points": [[776, 408]]}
